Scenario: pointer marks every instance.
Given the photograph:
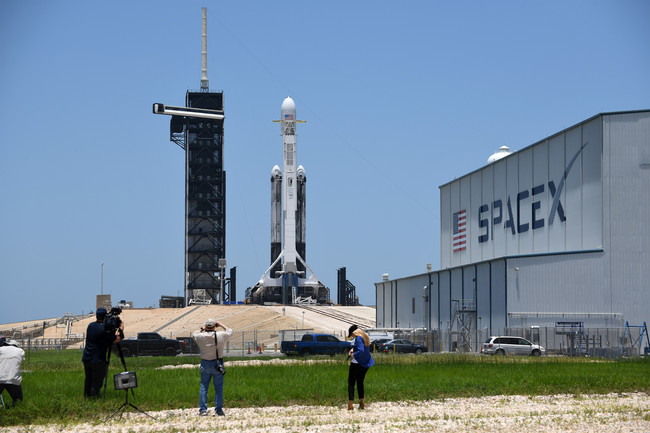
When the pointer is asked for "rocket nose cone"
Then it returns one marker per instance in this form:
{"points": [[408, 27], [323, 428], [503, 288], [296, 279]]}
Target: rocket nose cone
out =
{"points": [[276, 172], [288, 104], [288, 107]]}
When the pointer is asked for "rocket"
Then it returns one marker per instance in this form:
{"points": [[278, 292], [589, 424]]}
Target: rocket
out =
{"points": [[288, 269], [289, 185]]}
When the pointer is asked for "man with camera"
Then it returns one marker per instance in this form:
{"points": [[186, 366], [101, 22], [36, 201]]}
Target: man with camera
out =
{"points": [[11, 357], [211, 344], [99, 339]]}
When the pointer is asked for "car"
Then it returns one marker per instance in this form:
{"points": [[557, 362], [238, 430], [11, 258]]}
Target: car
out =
{"points": [[374, 344], [401, 346], [510, 345], [148, 343]]}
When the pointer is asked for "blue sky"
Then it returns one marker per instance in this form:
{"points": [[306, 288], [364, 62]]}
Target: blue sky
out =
{"points": [[399, 98]]}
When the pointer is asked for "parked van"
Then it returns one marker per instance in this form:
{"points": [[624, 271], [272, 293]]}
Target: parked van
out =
{"points": [[507, 345]]}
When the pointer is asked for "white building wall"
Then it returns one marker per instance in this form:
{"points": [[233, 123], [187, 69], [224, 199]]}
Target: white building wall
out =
{"points": [[546, 198], [589, 258], [626, 182]]}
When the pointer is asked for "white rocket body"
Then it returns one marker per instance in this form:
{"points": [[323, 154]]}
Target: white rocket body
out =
{"points": [[288, 268], [289, 185]]}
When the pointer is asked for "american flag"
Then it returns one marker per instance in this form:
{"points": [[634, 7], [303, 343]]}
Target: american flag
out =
{"points": [[459, 238], [288, 117]]}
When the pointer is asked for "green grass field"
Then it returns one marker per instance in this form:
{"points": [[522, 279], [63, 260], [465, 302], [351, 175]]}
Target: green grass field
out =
{"points": [[53, 382]]}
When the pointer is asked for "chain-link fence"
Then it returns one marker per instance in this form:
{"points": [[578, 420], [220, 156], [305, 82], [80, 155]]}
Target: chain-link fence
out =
{"points": [[241, 343], [564, 341]]}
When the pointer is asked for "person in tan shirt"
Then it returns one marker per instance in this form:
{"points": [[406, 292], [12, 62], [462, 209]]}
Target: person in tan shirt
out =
{"points": [[211, 344]]}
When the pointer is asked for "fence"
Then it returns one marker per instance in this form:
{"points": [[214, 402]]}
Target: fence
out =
{"points": [[565, 341], [36, 344], [595, 342], [241, 343]]}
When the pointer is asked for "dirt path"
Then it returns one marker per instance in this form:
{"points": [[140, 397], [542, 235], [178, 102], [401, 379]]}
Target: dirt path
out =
{"points": [[559, 413]]}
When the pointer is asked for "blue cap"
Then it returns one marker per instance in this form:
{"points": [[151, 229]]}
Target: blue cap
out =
{"points": [[101, 312]]}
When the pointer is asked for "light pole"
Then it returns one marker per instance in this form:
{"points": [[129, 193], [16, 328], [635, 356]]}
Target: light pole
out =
{"points": [[303, 320], [102, 278]]}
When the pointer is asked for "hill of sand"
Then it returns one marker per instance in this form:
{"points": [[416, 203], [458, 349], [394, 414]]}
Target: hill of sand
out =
{"points": [[253, 324]]}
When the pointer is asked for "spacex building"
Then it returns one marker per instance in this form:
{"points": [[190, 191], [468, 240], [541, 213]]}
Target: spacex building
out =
{"points": [[554, 235]]}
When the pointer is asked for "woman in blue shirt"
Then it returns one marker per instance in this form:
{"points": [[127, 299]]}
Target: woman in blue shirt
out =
{"points": [[361, 362]]}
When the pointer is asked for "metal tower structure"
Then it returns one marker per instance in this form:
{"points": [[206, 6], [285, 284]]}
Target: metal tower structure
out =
{"points": [[464, 322], [205, 201], [346, 291], [198, 129]]}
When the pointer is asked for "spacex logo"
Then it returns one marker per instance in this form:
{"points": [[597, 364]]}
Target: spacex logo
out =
{"points": [[518, 214]]}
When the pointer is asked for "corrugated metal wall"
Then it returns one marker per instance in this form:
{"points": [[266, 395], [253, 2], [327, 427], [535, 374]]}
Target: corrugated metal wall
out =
{"points": [[545, 198], [595, 267], [626, 184]]}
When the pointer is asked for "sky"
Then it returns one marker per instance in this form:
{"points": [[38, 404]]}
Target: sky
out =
{"points": [[398, 97]]}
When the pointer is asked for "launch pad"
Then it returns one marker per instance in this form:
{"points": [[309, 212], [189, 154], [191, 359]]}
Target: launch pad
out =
{"points": [[288, 288]]}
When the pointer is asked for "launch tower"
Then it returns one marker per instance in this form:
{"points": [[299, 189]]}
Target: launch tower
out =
{"points": [[198, 129], [205, 201]]}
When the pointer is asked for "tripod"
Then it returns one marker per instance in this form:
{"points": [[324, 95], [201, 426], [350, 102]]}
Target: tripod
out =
{"points": [[125, 404], [108, 363]]}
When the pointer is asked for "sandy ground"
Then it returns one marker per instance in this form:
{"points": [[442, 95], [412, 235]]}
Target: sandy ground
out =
{"points": [[559, 413], [181, 322]]}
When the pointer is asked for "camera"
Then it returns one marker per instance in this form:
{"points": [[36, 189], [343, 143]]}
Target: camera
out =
{"points": [[220, 369], [113, 321]]}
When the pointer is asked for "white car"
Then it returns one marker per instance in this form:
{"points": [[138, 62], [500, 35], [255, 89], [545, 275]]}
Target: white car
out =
{"points": [[508, 345]]}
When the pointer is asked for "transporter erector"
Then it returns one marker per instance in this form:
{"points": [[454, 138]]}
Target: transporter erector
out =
{"points": [[288, 280]]}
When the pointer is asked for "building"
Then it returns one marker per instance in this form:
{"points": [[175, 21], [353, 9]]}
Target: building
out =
{"points": [[554, 235]]}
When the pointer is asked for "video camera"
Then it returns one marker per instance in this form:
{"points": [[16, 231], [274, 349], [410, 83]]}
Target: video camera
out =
{"points": [[113, 321]]}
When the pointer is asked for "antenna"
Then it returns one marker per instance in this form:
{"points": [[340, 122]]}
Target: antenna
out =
{"points": [[204, 51]]}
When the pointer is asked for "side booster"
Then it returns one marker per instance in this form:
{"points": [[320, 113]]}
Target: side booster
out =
{"points": [[276, 219], [288, 279]]}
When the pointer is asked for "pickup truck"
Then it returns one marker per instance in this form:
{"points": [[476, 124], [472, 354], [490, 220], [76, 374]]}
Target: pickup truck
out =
{"points": [[149, 343], [315, 344]]}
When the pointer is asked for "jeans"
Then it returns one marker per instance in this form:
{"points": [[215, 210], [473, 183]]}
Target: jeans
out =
{"points": [[356, 375], [209, 371], [15, 392]]}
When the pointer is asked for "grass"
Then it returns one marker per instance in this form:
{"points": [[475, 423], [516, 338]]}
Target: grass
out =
{"points": [[53, 382]]}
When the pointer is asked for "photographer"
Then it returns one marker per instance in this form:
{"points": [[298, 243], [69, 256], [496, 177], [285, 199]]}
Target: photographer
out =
{"points": [[98, 342], [361, 362], [211, 344], [11, 357]]}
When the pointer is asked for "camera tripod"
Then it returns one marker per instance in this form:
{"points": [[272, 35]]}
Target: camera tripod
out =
{"points": [[108, 363], [125, 404]]}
